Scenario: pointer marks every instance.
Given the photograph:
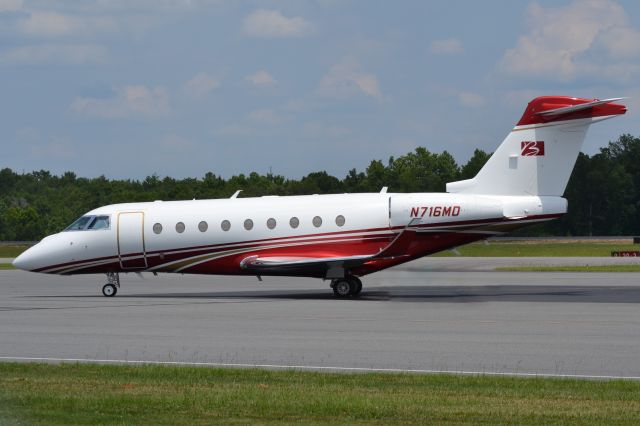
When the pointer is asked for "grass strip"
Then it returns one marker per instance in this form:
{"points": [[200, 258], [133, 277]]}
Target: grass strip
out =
{"points": [[109, 394], [540, 249], [12, 251], [572, 268], [6, 266]]}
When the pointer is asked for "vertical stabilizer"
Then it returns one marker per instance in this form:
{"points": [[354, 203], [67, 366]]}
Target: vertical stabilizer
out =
{"points": [[537, 157]]}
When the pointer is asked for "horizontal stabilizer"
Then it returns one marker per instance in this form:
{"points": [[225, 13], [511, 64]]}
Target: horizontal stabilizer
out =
{"points": [[579, 107]]}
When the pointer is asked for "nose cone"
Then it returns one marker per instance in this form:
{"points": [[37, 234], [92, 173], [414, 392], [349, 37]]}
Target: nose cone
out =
{"points": [[26, 261], [35, 257]]}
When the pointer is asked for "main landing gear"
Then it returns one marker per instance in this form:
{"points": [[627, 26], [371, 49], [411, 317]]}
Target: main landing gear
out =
{"points": [[113, 284], [345, 287]]}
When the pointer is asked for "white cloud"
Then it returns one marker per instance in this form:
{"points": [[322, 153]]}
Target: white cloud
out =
{"points": [[146, 5], [450, 46], [43, 23], [272, 24], [621, 42], [10, 5], [470, 99], [261, 79], [56, 53], [345, 79], [200, 85], [129, 101], [368, 83], [88, 19], [584, 37], [48, 24]]}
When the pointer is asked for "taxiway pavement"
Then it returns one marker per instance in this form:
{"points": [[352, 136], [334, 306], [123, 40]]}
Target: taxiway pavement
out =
{"points": [[434, 315]]}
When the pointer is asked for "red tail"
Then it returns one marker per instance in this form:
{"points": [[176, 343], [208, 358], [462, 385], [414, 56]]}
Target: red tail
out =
{"points": [[546, 109]]}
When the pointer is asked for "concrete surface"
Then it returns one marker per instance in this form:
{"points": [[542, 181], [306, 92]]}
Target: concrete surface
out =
{"points": [[430, 315]]}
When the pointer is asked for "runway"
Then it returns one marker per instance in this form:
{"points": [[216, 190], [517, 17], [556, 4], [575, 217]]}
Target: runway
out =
{"points": [[452, 314]]}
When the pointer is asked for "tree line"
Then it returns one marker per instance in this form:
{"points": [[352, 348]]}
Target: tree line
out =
{"points": [[603, 192]]}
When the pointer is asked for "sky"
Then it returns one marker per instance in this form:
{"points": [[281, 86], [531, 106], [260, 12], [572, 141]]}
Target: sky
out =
{"points": [[128, 89]]}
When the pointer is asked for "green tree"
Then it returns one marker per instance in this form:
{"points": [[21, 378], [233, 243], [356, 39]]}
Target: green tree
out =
{"points": [[475, 163], [603, 191], [23, 224]]}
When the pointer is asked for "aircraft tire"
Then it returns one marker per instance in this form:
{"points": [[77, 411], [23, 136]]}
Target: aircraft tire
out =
{"points": [[357, 286], [109, 290], [342, 288]]}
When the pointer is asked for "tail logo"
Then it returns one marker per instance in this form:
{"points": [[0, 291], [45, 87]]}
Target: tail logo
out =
{"points": [[532, 148]]}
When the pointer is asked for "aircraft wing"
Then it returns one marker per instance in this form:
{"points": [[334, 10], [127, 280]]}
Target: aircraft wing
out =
{"points": [[335, 266], [257, 262]]}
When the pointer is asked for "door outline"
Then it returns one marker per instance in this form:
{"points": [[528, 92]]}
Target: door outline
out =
{"points": [[144, 248]]}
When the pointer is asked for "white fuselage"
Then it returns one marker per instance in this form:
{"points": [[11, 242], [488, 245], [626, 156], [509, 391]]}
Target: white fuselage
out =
{"points": [[193, 236]]}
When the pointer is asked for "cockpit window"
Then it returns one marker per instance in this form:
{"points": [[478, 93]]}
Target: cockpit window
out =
{"points": [[79, 224], [90, 222], [99, 222]]}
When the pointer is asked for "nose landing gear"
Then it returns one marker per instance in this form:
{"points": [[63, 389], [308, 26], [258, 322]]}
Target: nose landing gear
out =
{"points": [[113, 284], [345, 287]]}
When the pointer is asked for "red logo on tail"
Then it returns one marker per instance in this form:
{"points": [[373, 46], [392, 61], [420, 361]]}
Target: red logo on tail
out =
{"points": [[532, 148]]}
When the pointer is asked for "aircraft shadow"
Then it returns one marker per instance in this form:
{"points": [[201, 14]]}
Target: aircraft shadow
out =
{"points": [[429, 294]]}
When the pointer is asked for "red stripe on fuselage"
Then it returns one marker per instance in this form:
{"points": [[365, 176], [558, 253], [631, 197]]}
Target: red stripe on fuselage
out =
{"points": [[158, 257]]}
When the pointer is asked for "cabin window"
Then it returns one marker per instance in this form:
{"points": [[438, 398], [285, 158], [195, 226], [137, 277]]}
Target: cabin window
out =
{"points": [[203, 226], [99, 222], [179, 227], [294, 222], [317, 221], [340, 220], [157, 228], [248, 224], [271, 223], [225, 225]]}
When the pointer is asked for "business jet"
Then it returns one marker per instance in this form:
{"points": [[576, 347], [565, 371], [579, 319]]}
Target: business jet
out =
{"points": [[339, 238]]}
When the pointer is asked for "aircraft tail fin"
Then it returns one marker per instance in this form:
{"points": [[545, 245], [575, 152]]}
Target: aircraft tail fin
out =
{"points": [[537, 157]]}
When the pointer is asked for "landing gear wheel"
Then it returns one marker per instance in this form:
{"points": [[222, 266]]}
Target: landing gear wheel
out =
{"points": [[109, 290], [356, 286], [342, 288], [113, 284]]}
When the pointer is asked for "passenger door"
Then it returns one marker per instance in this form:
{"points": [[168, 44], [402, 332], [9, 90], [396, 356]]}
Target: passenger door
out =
{"points": [[131, 249]]}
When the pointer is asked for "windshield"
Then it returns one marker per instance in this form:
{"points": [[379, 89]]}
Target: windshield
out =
{"points": [[79, 224], [89, 222], [99, 222]]}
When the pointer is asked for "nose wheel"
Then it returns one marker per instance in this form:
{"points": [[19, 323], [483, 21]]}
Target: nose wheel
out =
{"points": [[345, 287], [109, 290], [113, 284]]}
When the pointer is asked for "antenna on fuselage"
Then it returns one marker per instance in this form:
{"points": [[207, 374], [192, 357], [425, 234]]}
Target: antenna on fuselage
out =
{"points": [[384, 190], [235, 194]]}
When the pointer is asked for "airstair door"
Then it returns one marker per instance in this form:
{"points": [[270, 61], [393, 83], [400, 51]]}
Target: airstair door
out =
{"points": [[131, 240]]}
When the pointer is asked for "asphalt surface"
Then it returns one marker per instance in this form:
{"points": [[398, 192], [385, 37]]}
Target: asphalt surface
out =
{"points": [[430, 315]]}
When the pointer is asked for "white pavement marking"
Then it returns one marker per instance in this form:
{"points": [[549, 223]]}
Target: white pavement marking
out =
{"points": [[316, 368]]}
